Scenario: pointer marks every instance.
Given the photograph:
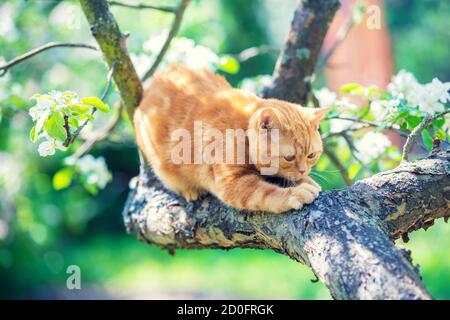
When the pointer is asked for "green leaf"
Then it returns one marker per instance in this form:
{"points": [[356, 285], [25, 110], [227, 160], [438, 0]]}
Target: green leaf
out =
{"points": [[41, 122], [373, 91], [58, 118], [404, 126], [358, 13], [413, 121], [85, 116], [62, 179], [91, 188], [349, 87], [441, 134], [427, 139], [229, 65], [361, 91], [74, 122], [81, 108], [33, 136], [439, 122], [97, 103], [55, 126], [354, 170]]}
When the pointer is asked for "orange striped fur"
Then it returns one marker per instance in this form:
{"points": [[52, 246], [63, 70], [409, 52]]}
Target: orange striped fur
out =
{"points": [[178, 96]]}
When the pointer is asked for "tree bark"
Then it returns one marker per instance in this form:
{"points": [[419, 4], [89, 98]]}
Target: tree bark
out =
{"points": [[112, 43], [345, 236], [294, 70]]}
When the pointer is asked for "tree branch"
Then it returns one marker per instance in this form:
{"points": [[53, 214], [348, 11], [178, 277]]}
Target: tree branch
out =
{"points": [[342, 236], [113, 45], [411, 140], [172, 33], [342, 34], [365, 124], [141, 6], [297, 61], [47, 46], [252, 52], [345, 236]]}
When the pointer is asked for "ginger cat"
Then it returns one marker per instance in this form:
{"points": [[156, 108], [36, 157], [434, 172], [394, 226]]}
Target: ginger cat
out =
{"points": [[183, 101]]}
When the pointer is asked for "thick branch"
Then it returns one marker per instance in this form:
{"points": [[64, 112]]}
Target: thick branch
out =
{"points": [[297, 61], [113, 45], [341, 236]]}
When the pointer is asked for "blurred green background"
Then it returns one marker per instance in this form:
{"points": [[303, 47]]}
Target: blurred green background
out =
{"points": [[42, 231]]}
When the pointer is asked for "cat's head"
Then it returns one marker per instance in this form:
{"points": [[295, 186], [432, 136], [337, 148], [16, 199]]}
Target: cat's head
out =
{"points": [[286, 140]]}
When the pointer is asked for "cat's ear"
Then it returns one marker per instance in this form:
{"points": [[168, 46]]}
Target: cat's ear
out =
{"points": [[268, 119], [318, 114]]}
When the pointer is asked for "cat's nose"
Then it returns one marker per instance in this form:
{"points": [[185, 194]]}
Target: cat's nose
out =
{"points": [[302, 172]]}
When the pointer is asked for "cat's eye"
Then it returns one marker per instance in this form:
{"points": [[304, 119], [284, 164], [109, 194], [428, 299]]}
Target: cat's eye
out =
{"points": [[289, 158], [312, 155]]}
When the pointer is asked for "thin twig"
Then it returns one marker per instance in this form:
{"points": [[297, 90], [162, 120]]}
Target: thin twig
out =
{"points": [[411, 140], [335, 160], [342, 34], [252, 52], [71, 137], [31, 53], [172, 33], [141, 6], [67, 127], [365, 124], [99, 135], [353, 151]]}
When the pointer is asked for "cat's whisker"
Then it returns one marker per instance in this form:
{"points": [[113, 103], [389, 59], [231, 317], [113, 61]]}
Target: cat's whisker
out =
{"points": [[319, 177]]}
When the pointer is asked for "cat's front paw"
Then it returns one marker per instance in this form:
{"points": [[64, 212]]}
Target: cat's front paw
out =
{"points": [[310, 181], [305, 193]]}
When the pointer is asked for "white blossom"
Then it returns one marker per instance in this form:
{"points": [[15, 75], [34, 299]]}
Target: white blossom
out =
{"points": [[256, 84], [66, 15], [42, 108], [201, 57], [439, 90], [339, 125], [94, 169], [142, 63], [402, 84], [11, 170], [344, 105], [382, 108], [427, 98], [155, 43], [7, 27], [326, 97], [48, 147], [372, 145], [181, 50]]}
